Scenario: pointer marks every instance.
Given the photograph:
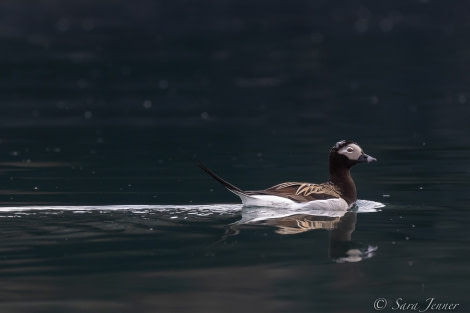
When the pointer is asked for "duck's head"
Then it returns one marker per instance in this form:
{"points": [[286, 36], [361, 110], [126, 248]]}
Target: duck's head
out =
{"points": [[346, 153]]}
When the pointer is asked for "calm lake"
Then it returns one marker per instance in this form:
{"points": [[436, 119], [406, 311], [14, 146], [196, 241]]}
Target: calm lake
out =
{"points": [[105, 106]]}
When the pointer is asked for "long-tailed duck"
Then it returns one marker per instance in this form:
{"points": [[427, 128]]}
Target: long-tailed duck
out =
{"points": [[339, 192]]}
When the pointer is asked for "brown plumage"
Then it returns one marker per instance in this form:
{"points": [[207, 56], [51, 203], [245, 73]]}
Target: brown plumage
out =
{"points": [[303, 192]]}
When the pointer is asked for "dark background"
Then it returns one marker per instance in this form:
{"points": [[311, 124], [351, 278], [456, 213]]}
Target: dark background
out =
{"points": [[117, 98], [160, 63]]}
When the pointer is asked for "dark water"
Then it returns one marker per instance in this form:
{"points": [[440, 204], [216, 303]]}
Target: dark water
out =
{"points": [[104, 106]]}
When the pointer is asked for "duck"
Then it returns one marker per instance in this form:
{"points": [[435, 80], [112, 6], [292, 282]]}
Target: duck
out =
{"points": [[337, 193]]}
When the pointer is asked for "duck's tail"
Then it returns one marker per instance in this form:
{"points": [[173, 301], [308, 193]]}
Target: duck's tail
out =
{"points": [[225, 183]]}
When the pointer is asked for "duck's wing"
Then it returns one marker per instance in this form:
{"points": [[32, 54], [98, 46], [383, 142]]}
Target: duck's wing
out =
{"points": [[301, 192]]}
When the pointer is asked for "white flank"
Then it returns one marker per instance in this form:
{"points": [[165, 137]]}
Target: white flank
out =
{"points": [[281, 202]]}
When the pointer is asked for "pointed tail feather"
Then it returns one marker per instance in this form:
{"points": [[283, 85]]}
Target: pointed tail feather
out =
{"points": [[225, 183]]}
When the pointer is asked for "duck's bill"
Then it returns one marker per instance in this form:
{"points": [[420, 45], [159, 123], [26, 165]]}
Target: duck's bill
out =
{"points": [[366, 158]]}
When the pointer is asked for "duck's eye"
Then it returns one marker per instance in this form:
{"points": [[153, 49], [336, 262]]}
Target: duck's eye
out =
{"points": [[349, 149]]}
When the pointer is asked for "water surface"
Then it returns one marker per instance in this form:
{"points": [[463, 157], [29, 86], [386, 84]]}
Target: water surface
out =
{"points": [[104, 106]]}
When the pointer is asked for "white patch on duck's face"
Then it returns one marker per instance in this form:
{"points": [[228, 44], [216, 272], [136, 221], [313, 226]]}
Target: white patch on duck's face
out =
{"points": [[351, 151]]}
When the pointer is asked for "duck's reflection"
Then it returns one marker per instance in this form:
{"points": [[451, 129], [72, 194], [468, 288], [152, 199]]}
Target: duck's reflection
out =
{"points": [[340, 224]]}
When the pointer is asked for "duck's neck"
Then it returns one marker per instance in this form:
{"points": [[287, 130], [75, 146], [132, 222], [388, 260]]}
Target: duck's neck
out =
{"points": [[341, 177]]}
